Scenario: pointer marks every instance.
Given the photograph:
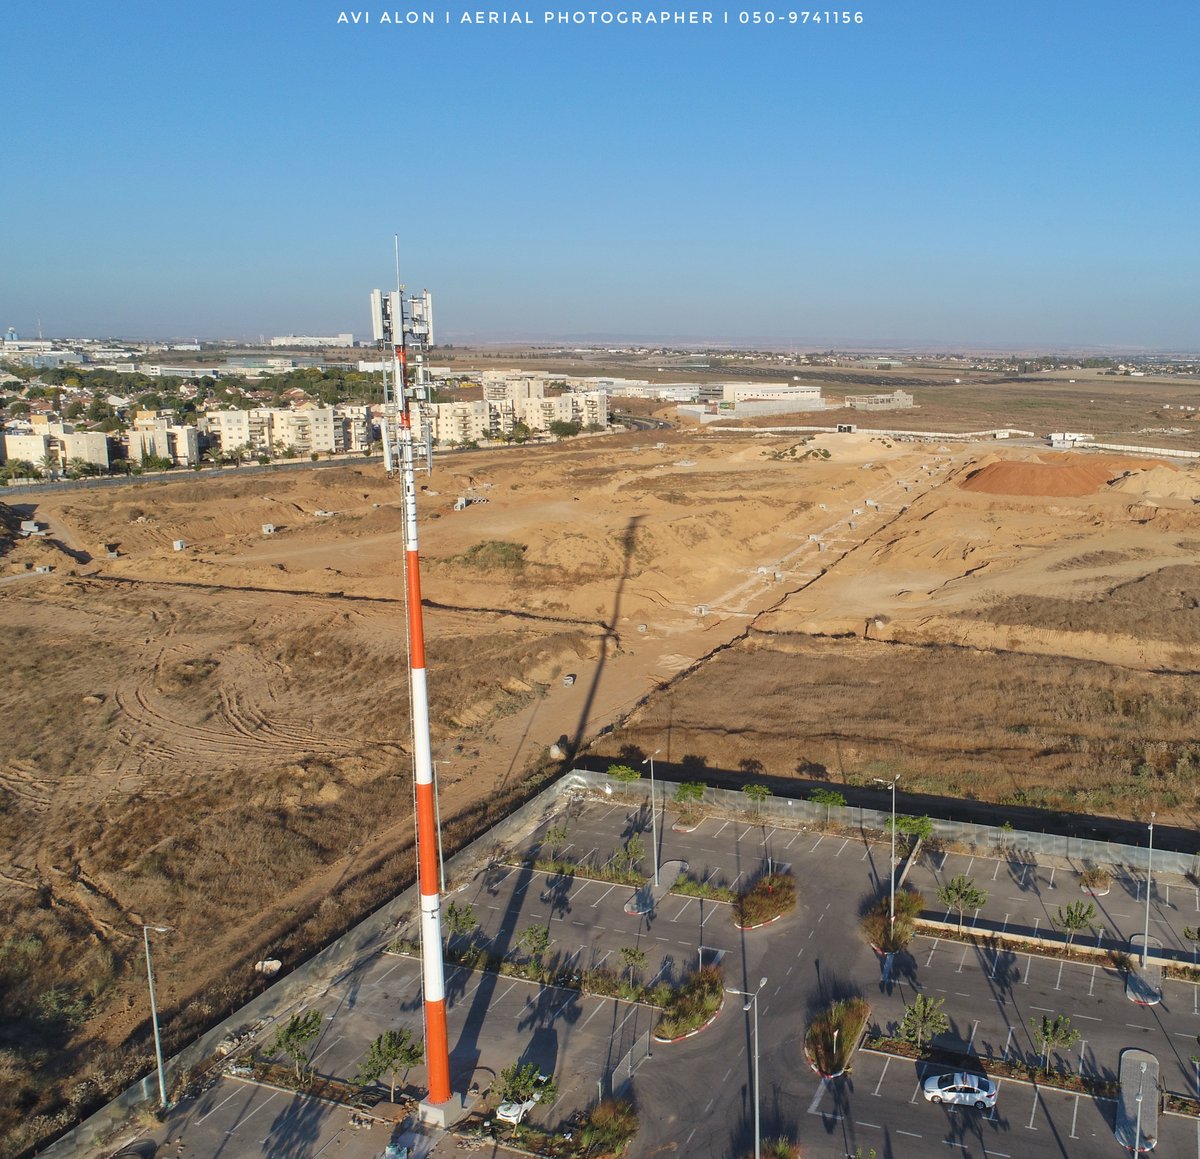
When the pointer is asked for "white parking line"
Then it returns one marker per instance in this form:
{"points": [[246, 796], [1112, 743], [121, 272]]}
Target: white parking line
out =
{"points": [[1074, 1116], [816, 1099], [599, 1006], [886, 1063], [376, 981], [250, 1115], [1033, 1113], [217, 1107], [603, 896]]}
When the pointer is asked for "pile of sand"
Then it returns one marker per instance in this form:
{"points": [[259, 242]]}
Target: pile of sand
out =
{"points": [[1160, 483], [1052, 479]]}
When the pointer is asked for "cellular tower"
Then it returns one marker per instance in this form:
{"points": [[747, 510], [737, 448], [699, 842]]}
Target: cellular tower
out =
{"points": [[391, 330]]}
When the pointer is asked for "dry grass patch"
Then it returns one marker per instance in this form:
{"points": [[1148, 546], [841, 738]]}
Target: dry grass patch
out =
{"points": [[1033, 730]]}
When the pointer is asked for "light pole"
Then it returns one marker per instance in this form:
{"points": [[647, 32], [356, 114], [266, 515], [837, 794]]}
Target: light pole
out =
{"points": [[1137, 1138], [1149, 866], [751, 997], [653, 817], [892, 863], [162, 1082]]}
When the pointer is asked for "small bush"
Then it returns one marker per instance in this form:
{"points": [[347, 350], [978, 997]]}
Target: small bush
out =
{"points": [[882, 932], [611, 1126], [769, 897], [690, 887], [833, 1034], [1095, 877], [692, 1004]]}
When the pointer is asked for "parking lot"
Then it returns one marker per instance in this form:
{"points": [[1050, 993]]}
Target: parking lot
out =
{"points": [[695, 1096]]}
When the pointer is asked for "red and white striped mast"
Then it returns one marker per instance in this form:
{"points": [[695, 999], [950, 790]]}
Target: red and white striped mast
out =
{"points": [[388, 314]]}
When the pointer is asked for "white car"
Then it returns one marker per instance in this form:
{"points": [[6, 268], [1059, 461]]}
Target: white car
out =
{"points": [[970, 1090], [514, 1112]]}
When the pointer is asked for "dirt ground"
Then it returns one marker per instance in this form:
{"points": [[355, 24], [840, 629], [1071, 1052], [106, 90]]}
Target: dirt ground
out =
{"points": [[216, 738]]}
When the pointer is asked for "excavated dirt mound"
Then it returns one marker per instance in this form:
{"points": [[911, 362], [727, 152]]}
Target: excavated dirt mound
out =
{"points": [[1160, 483], [1059, 480]]}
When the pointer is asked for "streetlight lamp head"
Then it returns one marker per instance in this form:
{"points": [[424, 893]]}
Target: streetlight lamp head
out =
{"points": [[761, 983], [159, 929], [748, 1006]]}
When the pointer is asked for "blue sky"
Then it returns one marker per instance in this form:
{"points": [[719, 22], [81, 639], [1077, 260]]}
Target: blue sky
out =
{"points": [[975, 172]]}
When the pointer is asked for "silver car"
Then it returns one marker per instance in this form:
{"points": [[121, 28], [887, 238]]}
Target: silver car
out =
{"points": [[972, 1090]]}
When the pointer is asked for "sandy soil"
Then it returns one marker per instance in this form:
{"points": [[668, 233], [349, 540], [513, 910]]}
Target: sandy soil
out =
{"points": [[217, 737]]}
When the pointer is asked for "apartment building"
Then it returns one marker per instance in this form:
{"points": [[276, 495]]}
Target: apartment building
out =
{"points": [[268, 430], [153, 433], [468, 422], [55, 445], [587, 408]]}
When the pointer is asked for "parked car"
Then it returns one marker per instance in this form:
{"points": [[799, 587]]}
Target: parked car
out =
{"points": [[972, 1090], [516, 1112]]}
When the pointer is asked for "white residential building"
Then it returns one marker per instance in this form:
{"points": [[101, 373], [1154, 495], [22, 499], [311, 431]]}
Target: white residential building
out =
{"points": [[30, 448], [308, 428], [153, 433], [59, 441], [587, 408], [266, 430], [90, 446], [357, 427], [468, 422]]}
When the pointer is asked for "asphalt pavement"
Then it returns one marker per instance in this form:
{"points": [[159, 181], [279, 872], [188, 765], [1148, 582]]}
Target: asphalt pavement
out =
{"points": [[696, 1096]]}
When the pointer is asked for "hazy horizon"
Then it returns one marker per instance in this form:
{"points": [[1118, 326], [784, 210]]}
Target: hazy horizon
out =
{"points": [[995, 177]]}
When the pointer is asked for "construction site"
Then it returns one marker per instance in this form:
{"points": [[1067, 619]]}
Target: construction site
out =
{"points": [[208, 724]]}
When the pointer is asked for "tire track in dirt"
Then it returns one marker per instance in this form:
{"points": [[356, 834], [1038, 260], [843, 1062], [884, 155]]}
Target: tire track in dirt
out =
{"points": [[20, 778]]}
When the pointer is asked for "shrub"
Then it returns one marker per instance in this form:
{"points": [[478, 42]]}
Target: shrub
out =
{"points": [[690, 887], [610, 1126], [769, 897], [1095, 877], [692, 1004], [833, 1034], [882, 932]]}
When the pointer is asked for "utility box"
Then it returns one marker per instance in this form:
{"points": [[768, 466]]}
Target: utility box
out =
{"points": [[179, 544], [268, 529]]}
